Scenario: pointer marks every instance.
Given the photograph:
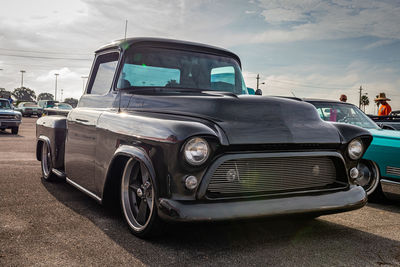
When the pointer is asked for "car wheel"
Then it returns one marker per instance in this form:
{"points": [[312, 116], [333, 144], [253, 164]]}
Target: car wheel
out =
{"points": [[138, 197], [370, 179], [46, 163], [14, 130]]}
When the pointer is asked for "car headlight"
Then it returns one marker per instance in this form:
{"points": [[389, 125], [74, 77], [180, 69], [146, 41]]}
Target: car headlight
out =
{"points": [[196, 151], [17, 116], [355, 149]]}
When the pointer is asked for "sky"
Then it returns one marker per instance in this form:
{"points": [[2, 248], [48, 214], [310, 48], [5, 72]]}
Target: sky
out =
{"points": [[305, 48]]}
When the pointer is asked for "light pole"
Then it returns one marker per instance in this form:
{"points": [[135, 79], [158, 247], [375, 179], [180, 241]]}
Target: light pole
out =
{"points": [[55, 89], [22, 78], [83, 82]]}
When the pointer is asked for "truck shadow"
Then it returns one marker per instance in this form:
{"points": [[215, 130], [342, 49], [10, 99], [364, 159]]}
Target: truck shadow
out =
{"points": [[9, 134], [250, 242]]}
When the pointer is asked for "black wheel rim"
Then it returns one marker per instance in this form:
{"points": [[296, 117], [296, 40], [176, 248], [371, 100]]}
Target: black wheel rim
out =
{"points": [[46, 161], [137, 194]]}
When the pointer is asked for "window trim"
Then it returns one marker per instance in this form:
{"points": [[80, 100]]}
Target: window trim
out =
{"points": [[89, 84]]}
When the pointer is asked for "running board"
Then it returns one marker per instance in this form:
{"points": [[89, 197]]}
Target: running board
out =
{"points": [[84, 190], [391, 189], [62, 175], [59, 173]]}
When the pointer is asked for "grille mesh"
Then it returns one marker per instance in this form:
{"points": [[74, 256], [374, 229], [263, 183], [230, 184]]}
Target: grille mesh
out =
{"points": [[271, 175]]}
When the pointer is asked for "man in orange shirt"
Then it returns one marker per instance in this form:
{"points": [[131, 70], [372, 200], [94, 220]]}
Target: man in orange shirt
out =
{"points": [[384, 109]]}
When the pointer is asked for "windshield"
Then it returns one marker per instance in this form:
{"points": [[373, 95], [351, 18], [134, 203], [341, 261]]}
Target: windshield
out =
{"points": [[30, 105], [345, 113], [4, 104], [158, 67]]}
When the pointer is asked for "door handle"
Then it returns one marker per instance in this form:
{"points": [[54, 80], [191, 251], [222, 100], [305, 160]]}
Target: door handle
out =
{"points": [[80, 120]]}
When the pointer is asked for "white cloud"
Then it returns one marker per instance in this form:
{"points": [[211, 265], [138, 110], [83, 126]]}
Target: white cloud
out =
{"points": [[317, 20]]}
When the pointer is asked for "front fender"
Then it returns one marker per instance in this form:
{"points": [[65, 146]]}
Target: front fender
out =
{"points": [[136, 153]]}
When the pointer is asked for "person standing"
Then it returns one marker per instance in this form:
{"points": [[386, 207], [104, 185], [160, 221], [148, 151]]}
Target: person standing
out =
{"points": [[343, 98], [385, 108]]}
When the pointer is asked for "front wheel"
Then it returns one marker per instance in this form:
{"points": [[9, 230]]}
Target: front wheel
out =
{"points": [[14, 130], [370, 179], [138, 197]]}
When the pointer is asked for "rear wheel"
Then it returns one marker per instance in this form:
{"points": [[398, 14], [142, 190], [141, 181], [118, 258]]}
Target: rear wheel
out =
{"points": [[46, 163], [138, 197], [14, 130]]}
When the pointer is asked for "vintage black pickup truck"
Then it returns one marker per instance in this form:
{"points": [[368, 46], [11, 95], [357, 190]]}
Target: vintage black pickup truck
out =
{"points": [[168, 128]]}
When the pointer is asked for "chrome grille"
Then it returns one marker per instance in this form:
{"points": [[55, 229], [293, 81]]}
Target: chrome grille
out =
{"points": [[251, 176], [393, 171], [6, 116]]}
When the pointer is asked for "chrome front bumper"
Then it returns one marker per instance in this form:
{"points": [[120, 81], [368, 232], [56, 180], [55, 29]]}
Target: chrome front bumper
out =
{"points": [[325, 203], [9, 123]]}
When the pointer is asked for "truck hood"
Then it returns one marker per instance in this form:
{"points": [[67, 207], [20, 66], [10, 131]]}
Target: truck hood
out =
{"points": [[8, 112], [244, 119]]}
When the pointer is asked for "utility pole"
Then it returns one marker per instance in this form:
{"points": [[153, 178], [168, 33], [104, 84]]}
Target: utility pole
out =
{"points": [[22, 78], [359, 105], [258, 81], [55, 89]]}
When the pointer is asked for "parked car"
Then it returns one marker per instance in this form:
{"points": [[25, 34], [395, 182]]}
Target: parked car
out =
{"points": [[170, 141], [47, 103], [29, 109], [9, 118], [391, 122], [58, 109], [380, 166]]}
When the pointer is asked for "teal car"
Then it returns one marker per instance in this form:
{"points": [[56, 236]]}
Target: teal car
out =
{"points": [[379, 171]]}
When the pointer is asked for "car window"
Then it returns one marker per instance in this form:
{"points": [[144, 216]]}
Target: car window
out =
{"points": [[223, 79], [345, 113], [4, 104], [103, 74]]}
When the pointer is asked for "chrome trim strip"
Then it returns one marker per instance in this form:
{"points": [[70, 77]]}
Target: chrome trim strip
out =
{"points": [[393, 170], [84, 190]]}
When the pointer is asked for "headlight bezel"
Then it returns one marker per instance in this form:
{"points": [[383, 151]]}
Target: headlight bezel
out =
{"points": [[188, 156], [355, 155]]}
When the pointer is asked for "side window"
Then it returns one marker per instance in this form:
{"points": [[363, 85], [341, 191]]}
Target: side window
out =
{"points": [[103, 74], [223, 79]]}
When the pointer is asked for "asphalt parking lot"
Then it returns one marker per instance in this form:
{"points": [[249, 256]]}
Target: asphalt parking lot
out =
{"points": [[45, 223]]}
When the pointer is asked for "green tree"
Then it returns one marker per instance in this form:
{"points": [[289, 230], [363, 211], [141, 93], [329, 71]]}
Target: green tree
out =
{"points": [[23, 94], [45, 96], [72, 101], [4, 93], [364, 101]]}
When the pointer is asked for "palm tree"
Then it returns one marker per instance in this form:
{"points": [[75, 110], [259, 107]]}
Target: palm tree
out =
{"points": [[364, 101]]}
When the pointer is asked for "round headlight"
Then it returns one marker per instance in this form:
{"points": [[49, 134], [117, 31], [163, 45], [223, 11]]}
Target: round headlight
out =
{"points": [[355, 149], [196, 151]]}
